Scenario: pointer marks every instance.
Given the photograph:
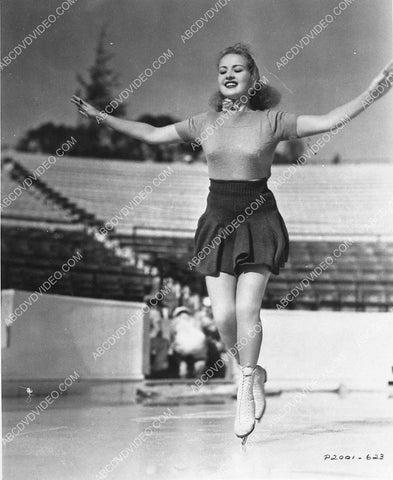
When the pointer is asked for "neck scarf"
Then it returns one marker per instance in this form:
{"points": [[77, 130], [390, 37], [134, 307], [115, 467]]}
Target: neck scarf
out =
{"points": [[229, 105]]}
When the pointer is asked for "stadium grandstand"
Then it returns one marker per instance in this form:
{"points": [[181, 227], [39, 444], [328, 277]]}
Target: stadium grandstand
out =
{"points": [[126, 218]]}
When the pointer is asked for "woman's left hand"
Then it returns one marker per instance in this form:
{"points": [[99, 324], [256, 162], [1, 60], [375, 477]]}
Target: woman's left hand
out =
{"points": [[383, 82]]}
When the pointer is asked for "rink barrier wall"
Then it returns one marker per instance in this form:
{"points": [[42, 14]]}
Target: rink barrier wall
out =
{"points": [[311, 350], [59, 334], [327, 350]]}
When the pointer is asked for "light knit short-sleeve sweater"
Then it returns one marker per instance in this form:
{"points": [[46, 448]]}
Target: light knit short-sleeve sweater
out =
{"points": [[238, 145]]}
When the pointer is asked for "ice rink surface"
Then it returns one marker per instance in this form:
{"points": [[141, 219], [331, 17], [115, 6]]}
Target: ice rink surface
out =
{"points": [[76, 439]]}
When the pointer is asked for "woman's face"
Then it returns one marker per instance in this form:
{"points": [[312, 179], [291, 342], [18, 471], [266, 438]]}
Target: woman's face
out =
{"points": [[233, 76]]}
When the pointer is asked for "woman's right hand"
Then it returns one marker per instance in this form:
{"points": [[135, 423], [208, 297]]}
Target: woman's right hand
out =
{"points": [[139, 130], [84, 108]]}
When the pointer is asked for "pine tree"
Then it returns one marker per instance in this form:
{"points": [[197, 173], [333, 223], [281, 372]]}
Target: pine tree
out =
{"points": [[103, 82], [99, 90]]}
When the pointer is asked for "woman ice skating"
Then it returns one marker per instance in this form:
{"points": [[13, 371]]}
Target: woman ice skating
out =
{"points": [[239, 136]]}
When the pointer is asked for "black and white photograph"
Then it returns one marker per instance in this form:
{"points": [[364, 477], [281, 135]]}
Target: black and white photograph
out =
{"points": [[196, 239]]}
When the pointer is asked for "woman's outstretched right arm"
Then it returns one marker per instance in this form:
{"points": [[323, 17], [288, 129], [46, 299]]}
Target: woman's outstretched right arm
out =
{"points": [[138, 130]]}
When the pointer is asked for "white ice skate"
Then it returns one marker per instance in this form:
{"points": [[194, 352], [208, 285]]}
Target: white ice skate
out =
{"points": [[245, 409], [260, 377]]}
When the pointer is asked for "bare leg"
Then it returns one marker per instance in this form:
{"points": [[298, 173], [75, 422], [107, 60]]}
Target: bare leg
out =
{"points": [[222, 291], [250, 290]]}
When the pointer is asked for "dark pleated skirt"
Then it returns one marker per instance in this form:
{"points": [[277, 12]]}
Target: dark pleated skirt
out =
{"points": [[240, 227]]}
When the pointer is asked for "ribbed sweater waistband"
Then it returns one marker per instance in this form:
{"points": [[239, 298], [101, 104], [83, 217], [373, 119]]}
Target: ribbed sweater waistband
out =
{"points": [[238, 187]]}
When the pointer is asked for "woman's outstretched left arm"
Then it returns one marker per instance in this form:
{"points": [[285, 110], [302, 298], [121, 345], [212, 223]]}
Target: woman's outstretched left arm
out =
{"points": [[312, 124]]}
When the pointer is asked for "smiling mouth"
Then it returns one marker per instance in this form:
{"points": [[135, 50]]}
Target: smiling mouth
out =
{"points": [[230, 84]]}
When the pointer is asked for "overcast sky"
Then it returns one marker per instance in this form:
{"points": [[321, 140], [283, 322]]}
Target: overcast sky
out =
{"points": [[334, 67]]}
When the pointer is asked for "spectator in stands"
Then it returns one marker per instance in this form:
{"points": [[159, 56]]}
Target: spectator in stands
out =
{"points": [[155, 321], [155, 281], [186, 299], [172, 295], [158, 322], [159, 349], [215, 347], [239, 154], [188, 342], [196, 300], [205, 316], [177, 288]]}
